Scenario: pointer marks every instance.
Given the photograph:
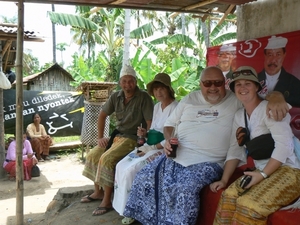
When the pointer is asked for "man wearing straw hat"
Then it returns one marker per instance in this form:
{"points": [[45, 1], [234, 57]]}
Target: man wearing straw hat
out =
{"points": [[132, 107]]}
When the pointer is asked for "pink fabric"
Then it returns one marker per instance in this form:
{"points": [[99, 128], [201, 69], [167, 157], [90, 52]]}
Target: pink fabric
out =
{"points": [[10, 163]]}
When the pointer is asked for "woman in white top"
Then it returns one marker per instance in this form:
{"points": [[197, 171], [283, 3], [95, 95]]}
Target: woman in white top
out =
{"points": [[274, 175], [127, 168]]}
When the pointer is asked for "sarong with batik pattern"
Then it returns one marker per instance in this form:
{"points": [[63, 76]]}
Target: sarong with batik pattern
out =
{"points": [[256, 204], [167, 193], [105, 175], [41, 146]]}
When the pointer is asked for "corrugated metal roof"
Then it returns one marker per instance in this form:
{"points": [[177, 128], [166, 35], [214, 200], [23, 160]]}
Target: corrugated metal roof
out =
{"points": [[9, 31]]}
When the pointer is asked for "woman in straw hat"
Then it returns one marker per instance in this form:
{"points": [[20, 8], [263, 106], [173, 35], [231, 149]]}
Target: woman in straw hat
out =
{"points": [[277, 173], [160, 88]]}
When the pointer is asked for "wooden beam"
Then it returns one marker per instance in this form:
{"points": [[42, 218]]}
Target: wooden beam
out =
{"points": [[117, 2], [226, 14], [207, 2], [6, 47]]}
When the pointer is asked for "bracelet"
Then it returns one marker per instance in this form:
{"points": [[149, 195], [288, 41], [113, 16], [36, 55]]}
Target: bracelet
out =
{"points": [[263, 174]]}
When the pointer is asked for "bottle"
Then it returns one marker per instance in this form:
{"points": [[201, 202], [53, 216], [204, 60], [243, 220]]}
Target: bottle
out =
{"points": [[174, 141]]}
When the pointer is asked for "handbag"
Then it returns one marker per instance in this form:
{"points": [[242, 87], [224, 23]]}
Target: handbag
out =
{"points": [[35, 171], [154, 137], [260, 147]]}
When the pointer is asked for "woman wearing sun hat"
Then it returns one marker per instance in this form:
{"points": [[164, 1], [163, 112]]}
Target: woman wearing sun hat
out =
{"points": [[160, 88], [274, 175]]}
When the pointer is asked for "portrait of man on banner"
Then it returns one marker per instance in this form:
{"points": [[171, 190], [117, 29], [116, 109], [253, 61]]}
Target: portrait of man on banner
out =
{"points": [[274, 77]]}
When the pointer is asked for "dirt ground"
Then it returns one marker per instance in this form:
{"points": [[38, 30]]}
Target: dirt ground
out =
{"points": [[54, 197]]}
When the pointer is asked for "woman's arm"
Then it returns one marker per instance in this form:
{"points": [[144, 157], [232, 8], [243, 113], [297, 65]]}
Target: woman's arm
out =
{"points": [[229, 168]]}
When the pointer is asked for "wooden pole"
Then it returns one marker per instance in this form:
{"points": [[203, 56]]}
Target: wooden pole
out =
{"points": [[19, 117], [2, 144]]}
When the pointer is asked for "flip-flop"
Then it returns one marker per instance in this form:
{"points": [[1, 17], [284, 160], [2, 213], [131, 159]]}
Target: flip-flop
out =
{"points": [[127, 220], [103, 209], [88, 198]]}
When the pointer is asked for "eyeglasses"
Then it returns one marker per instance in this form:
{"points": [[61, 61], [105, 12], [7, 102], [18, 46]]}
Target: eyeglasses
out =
{"points": [[209, 83], [242, 72]]}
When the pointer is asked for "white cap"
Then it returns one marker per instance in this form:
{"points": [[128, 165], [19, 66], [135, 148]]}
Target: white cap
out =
{"points": [[127, 70], [276, 42], [227, 48]]}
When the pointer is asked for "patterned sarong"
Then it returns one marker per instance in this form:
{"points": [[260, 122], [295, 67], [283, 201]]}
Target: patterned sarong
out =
{"points": [[167, 193], [100, 164], [255, 205], [41, 146]]}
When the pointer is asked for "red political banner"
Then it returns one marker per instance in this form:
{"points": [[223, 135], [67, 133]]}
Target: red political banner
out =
{"points": [[275, 58]]}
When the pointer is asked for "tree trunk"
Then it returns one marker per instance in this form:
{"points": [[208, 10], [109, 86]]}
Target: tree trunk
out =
{"points": [[126, 37]]}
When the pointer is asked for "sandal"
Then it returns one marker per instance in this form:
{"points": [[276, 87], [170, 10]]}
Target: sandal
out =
{"points": [[88, 198], [101, 210], [127, 220]]}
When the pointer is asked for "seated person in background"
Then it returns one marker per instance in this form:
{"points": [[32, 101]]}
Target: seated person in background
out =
{"points": [[166, 191], [39, 139], [127, 168], [29, 159], [261, 197]]}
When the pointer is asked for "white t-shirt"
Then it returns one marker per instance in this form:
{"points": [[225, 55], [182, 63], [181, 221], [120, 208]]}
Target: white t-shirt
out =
{"points": [[160, 116], [204, 129]]}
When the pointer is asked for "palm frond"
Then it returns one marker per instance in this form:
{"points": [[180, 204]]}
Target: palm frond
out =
{"points": [[72, 20]]}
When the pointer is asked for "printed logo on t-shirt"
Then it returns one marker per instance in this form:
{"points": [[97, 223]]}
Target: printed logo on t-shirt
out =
{"points": [[207, 114]]}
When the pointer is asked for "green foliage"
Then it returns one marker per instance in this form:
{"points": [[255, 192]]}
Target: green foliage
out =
{"points": [[30, 63]]}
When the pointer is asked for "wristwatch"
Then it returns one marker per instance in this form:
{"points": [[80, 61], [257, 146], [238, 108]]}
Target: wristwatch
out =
{"points": [[263, 174]]}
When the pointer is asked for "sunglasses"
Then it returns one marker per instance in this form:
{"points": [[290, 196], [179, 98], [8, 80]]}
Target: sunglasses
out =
{"points": [[242, 72], [209, 83]]}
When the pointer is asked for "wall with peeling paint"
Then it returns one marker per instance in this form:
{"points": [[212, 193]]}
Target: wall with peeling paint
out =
{"points": [[267, 17]]}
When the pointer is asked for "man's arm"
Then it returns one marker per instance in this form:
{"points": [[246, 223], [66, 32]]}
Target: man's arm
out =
{"points": [[167, 134], [277, 107], [148, 122]]}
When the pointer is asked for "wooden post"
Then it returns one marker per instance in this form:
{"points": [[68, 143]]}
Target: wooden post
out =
{"points": [[2, 144], [19, 117]]}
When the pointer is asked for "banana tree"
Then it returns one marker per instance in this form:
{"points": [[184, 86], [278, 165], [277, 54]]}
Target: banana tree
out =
{"points": [[103, 27]]}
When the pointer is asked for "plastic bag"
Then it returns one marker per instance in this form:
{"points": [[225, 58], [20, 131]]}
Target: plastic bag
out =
{"points": [[4, 82]]}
